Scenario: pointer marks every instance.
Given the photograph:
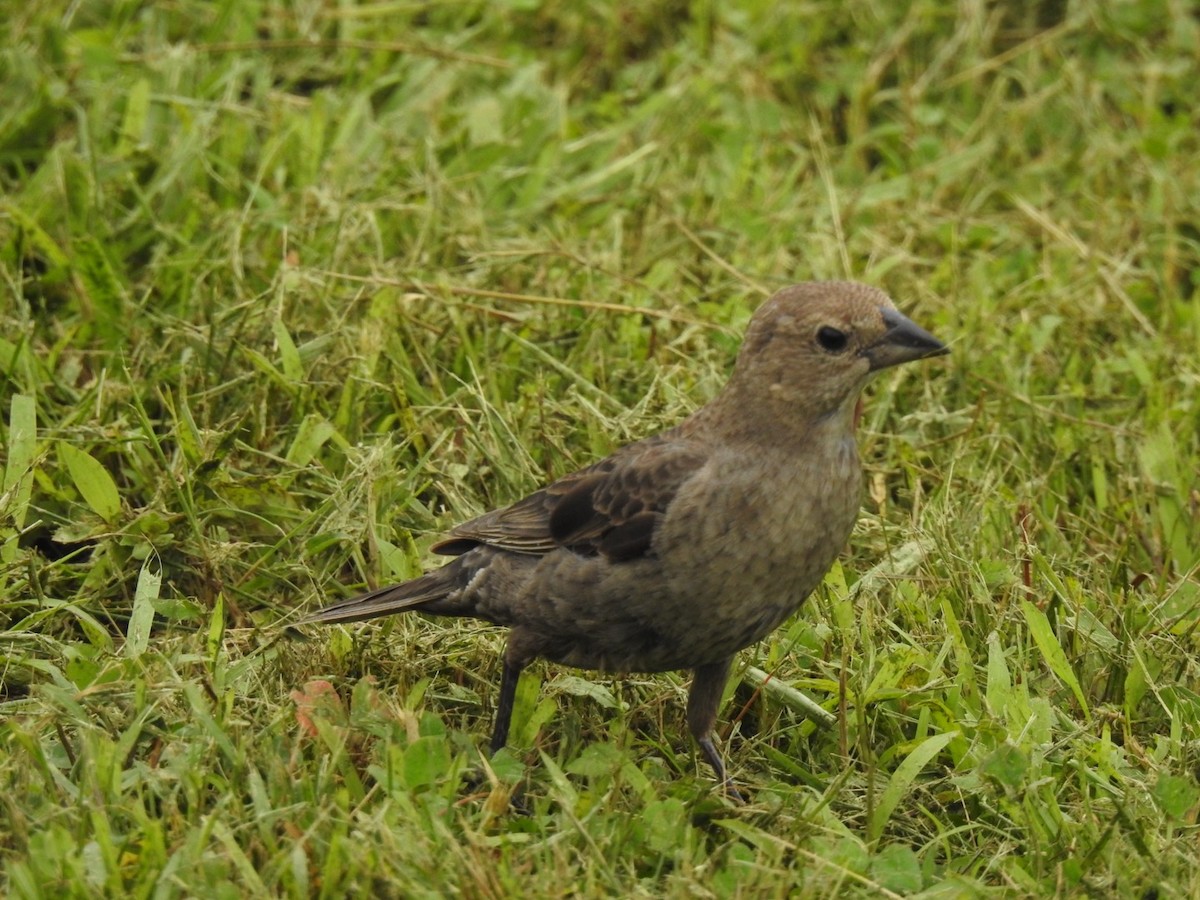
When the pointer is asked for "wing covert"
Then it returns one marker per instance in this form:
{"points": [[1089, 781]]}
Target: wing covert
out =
{"points": [[610, 509]]}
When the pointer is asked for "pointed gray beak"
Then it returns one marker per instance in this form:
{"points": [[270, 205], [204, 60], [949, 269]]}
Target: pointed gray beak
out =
{"points": [[904, 341]]}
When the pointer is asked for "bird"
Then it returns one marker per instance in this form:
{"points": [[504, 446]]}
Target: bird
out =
{"points": [[680, 549]]}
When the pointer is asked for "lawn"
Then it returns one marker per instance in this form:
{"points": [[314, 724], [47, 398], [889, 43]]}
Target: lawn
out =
{"points": [[290, 288]]}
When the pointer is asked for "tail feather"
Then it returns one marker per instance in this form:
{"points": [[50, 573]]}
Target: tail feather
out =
{"points": [[429, 588]]}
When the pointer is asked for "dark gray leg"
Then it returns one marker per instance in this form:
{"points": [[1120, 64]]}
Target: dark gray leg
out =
{"points": [[504, 705], [521, 650], [704, 701]]}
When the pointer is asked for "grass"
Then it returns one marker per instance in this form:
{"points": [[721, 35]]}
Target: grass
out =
{"points": [[290, 288]]}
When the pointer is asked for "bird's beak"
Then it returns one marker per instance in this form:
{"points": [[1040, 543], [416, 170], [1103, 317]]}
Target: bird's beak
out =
{"points": [[904, 341]]}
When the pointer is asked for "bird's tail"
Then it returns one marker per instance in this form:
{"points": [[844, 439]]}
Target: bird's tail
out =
{"points": [[428, 589]]}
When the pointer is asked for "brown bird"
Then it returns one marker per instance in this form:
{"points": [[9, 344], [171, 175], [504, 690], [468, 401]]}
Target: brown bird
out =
{"points": [[679, 550]]}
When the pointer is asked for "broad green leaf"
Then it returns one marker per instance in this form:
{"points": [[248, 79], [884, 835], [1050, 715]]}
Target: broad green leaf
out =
{"points": [[507, 765], [430, 724], [844, 612], [1137, 681], [179, 609], [1007, 764], [289, 356], [1087, 625], [999, 682], [97, 634], [133, 123], [530, 713], [1175, 795], [597, 760], [22, 435], [665, 823], [898, 869], [397, 562], [567, 794], [18, 471], [1052, 652], [137, 637], [314, 432], [92, 480], [584, 687], [426, 760]]}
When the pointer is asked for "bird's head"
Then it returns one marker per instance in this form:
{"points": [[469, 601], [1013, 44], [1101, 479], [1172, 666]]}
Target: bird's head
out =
{"points": [[812, 347]]}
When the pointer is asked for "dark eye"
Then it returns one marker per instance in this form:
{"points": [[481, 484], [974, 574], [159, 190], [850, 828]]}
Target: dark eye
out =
{"points": [[831, 339]]}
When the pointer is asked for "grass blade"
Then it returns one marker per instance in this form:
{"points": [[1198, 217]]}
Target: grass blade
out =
{"points": [[1052, 652], [905, 774], [18, 471]]}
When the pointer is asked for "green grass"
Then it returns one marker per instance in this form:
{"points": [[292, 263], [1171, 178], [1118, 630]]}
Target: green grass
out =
{"points": [[290, 288]]}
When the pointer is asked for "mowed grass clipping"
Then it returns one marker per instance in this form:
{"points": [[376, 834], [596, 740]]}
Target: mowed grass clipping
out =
{"points": [[290, 288]]}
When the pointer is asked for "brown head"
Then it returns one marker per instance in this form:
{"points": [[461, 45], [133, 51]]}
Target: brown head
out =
{"points": [[812, 347]]}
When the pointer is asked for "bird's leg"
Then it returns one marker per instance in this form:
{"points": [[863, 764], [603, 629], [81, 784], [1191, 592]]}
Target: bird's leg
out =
{"points": [[477, 779], [504, 704], [704, 700], [522, 649]]}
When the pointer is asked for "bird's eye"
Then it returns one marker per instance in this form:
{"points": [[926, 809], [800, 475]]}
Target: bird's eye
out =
{"points": [[831, 339]]}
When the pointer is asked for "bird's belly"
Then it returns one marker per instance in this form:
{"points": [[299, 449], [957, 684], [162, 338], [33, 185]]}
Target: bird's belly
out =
{"points": [[715, 583], [747, 572]]}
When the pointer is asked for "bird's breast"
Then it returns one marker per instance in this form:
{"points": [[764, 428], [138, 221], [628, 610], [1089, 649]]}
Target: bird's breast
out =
{"points": [[748, 540]]}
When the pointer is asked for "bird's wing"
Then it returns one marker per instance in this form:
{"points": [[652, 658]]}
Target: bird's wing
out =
{"points": [[609, 509]]}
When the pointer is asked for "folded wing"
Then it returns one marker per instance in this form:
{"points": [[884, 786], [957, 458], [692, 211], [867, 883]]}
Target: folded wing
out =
{"points": [[610, 509]]}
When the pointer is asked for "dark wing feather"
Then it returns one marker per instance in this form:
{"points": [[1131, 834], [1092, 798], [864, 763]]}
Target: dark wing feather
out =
{"points": [[610, 509], [523, 527]]}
